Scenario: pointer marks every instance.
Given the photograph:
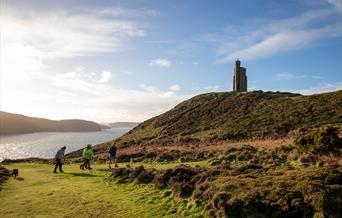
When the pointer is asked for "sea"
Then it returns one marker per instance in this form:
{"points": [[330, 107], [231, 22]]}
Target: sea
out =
{"points": [[46, 144]]}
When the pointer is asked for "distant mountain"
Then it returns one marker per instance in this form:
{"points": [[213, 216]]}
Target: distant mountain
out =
{"points": [[18, 124], [123, 124]]}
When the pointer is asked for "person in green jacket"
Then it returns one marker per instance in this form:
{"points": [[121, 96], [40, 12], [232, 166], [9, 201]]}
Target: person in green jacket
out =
{"points": [[87, 156]]}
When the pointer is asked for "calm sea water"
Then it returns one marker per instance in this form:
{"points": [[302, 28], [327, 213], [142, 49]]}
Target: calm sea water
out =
{"points": [[46, 144]]}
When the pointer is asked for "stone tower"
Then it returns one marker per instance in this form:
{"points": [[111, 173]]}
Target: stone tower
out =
{"points": [[240, 78]]}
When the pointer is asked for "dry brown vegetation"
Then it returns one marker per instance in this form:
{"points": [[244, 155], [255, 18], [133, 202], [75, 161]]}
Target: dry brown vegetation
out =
{"points": [[124, 154]]}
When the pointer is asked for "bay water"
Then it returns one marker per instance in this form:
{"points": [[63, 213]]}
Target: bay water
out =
{"points": [[46, 144]]}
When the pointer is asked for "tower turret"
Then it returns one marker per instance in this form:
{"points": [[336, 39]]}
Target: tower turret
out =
{"points": [[237, 63]]}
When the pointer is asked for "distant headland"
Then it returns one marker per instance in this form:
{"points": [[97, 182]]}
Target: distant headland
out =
{"points": [[11, 123]]}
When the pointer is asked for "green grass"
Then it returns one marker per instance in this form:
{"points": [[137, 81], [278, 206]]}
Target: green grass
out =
{"points": [[77, 193]]}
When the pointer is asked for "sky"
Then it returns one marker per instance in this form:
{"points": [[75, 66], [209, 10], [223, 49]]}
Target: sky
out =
{"points": [[110, 61]]}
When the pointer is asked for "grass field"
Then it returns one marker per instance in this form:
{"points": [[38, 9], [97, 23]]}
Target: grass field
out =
{"points": [[77, 193]]}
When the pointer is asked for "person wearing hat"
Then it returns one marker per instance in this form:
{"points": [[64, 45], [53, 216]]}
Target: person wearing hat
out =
{"points": [[87, 156], [59, 157]]}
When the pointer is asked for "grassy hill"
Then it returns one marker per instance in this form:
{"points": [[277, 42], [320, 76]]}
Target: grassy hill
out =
{"points": [[241, 179], [17, 124], [214, 117]]}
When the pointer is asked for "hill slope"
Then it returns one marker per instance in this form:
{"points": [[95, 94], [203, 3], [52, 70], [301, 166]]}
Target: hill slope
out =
{"points": [[123, 124], [214, 117], [17, 124]]}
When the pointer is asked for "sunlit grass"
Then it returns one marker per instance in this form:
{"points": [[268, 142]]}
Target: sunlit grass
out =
{"points": [[77, 193]]}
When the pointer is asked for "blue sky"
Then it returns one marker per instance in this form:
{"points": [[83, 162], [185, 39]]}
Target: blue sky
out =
{"points": [[131, 60]]}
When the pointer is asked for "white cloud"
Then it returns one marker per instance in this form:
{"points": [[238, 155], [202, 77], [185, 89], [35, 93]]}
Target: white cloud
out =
{"points": [[320, 88], [286, 76], [147, 88], [160, 62], [73, 95], [336, 3], [268, 38], [62, 34], [125, 12], [175, 88], [317, 89], [105, 77], [31, 39], [167, 94]]}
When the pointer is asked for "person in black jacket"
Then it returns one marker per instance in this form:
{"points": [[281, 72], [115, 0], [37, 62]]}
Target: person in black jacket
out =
{"points": [[112, 155], [59, 157]]}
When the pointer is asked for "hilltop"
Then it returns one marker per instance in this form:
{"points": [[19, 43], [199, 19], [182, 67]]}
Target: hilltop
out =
{"points": [[18, 124], [229, 116]]}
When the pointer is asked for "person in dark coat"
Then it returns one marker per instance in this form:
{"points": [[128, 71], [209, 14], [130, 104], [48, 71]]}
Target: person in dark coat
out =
{"points": [[112, 155], [59, 158]]}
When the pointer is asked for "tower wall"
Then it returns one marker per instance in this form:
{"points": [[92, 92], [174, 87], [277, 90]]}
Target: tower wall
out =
{"points": [[243, 80], [239, 78]]}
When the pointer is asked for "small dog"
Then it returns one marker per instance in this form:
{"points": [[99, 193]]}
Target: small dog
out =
{"points": [[15, 173]]}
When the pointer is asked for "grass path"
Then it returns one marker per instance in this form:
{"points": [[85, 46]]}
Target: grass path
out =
{"points": [[77, 193]]}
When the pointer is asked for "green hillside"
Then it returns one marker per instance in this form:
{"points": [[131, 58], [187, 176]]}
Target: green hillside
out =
{"points": [[223, 116]]}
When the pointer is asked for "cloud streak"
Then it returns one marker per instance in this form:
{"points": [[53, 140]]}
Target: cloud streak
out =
{"points": [[160, 62], [105, 77], [62, 34], [277, 36], [336, 3], [320, 88]]}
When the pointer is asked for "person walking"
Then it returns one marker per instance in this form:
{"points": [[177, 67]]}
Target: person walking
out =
{"points": [[87, 156], [112, 156], [59, 158]]}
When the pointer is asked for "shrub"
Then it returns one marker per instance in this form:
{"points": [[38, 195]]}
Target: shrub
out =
{"points": [[320, 140], [145, 177], [124, 175], [4, 174], [182, 189]]}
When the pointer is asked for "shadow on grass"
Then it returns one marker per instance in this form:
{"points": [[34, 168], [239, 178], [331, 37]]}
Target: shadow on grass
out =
{"points": [[104, 170], [83, 174]]}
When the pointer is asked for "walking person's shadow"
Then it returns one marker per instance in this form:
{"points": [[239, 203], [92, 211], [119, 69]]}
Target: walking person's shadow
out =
{"points": [[83, 174]]}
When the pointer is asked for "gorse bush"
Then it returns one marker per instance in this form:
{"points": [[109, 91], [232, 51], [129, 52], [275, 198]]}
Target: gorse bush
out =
{"points": [[319, 140]]}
